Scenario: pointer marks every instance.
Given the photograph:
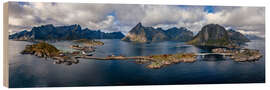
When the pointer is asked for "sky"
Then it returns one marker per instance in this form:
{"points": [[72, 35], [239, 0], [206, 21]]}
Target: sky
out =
{"points": [[123, 17]]}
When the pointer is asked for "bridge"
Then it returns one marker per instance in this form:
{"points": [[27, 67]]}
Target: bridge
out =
{"points": [[223, 54]]}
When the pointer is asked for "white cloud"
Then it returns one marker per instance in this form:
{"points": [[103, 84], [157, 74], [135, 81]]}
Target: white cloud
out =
{"points": [[238, 16], [172, 15], [248, 32], [103, 24], [246, 19], [122, 17]]}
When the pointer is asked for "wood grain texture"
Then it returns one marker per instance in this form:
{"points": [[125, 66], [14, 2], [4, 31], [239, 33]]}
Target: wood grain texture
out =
{"points": [[5, 46]]}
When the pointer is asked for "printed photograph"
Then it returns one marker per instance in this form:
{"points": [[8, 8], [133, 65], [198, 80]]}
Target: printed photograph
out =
{"points": [[88, 44]]}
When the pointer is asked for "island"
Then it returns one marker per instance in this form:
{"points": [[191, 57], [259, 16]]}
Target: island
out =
{"points": [[241, 54], [45, 50], [88, 42], [226, 42], [214, 36]]}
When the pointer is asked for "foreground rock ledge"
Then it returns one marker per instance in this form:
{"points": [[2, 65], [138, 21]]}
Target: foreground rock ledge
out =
{"points": [[45, 50]]}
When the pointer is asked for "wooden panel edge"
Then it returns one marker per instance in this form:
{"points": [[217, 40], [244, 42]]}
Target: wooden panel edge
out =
{"points": [[5, 45]]}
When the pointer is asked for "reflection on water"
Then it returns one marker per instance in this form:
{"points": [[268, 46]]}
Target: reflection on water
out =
{"points": [[31, 71]]}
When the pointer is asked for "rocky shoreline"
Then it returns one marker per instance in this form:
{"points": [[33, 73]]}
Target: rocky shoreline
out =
{"points": [[45, 50], [87, 42], [240, 54], [153, 61], [41, 49], [160, 61]]}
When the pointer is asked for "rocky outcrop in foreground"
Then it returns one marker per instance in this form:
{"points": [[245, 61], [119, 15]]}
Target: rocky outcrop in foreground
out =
{"points": [[41, 49], [149, 34], [45, 50], [216, 35]]}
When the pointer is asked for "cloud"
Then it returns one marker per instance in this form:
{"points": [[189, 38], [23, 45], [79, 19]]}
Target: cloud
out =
{"points": [[122, 17], [247, 32], [246, 19], [239, 16], [129, 14], [103, 24], [34, 14], [172, 15]]}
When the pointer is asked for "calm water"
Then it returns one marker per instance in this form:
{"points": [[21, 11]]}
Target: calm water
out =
{"points": [[31, 71]]}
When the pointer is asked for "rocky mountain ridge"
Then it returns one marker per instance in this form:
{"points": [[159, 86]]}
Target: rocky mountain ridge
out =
{"points": [[142, 34], [70, 32]]}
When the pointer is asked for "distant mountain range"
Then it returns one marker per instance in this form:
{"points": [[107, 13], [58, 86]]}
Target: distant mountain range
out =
{"points": [[237, 37], [71, 32], [253, 37], [210, 35], [142, 34], [216, 35]]}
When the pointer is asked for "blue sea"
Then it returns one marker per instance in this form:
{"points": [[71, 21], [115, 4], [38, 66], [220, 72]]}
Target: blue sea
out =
{"points": [[32, 71]]}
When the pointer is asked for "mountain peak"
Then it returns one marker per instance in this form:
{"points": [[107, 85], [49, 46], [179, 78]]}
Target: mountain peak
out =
{"points": [[212, 27], [217, 35], [212, 24], [139, 24], [47, 25], [143, 34], [78, 27], [70, 32]]}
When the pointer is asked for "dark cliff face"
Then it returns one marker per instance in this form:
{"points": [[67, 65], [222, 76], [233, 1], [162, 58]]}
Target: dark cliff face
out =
{"points": [[149, 34], [71, 32], [19, 34], [216, 35], [179, 34]]}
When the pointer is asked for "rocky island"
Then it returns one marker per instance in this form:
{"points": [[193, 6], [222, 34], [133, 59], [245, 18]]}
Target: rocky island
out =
{"points": [[45, 50], [212, 35], [41, 49], [167, 59], [225, 41], [240, 55], [88, 42], [153, 61]]}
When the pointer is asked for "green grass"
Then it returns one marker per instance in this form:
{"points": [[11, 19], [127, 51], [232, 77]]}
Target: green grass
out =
{"points": [[43, 48]]}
